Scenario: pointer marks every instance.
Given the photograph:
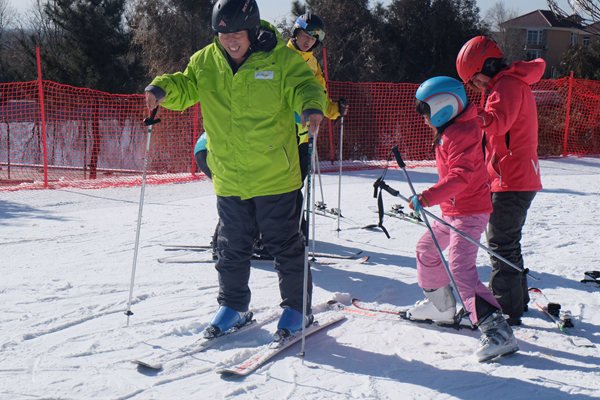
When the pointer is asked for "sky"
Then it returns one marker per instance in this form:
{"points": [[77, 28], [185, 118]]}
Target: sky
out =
{"points": [[276, 10]]}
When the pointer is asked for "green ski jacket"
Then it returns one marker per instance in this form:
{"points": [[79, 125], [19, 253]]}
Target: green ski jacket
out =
{"points": [[249, 116]]}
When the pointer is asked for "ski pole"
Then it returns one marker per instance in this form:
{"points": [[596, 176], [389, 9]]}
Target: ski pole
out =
{"points": [[149, 121], [340, 179], [394, 192], [309, 190], [437, 245], [319, 174]]}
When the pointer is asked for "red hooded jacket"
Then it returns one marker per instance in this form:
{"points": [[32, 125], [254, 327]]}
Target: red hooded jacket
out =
{"points": [[511, 126], [463, 185]]}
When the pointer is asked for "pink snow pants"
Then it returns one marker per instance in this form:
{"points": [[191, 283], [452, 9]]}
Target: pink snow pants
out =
{"points": [[462, 255]]}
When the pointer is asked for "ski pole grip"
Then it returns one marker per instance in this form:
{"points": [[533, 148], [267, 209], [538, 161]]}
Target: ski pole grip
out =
{"points": [[398, 157], [151, 120], [388, 189]]}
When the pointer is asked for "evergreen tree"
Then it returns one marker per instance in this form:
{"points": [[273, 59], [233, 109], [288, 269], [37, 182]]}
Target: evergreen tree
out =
{"points": [[355, 52], [85, 43], [583, 61], [429, 34]]}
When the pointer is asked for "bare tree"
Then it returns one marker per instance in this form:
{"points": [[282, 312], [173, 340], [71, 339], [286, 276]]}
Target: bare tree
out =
{"points": [[169, 32], [7, 16], [587, 9], [510, 39]]}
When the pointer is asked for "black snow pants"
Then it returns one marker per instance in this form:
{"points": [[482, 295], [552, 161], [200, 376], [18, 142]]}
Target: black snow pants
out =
{"points": [[304, 160], [277, 219], [504, 237]]}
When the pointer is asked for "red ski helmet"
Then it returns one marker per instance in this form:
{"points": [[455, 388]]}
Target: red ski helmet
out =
{"points": [[478, 55]]}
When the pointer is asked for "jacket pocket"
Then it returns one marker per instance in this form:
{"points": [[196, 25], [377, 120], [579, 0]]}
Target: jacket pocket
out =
{"points": [[264, 91]]}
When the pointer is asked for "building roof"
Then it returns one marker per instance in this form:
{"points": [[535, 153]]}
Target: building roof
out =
{"points": [[544, 18], [593, 28]]}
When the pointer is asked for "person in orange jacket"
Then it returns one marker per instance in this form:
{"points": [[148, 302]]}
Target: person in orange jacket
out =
{"points": [[509, 120]]}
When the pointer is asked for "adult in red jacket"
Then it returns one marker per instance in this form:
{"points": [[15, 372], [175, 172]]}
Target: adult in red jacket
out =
{"points": [[510, 123]]}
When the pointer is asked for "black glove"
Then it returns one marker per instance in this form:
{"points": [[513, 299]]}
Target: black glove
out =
{"points": [[343, 106]]}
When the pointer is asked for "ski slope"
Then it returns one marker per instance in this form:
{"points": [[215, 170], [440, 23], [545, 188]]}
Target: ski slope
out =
{"points": [[67, 259]]}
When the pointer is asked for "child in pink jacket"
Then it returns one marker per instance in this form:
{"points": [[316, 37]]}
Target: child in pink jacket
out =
{"points": [[463, 195]]}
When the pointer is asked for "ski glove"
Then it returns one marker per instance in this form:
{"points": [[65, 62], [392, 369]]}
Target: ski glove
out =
{"points": [[416, 203], [343, 106]]}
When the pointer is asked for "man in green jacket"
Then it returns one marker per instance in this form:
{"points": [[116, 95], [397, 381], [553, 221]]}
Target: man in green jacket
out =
{"points": [[249, 85]]}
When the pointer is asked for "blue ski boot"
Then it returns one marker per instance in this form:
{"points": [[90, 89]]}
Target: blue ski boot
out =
{"points": [[224, 320], [290, 322]]}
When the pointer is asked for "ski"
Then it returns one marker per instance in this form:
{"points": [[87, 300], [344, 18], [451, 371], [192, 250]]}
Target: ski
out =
{"points": [[461, 320], [199, 345], [562, 319], [184, 260], [320, 209], [329, 255], [271, 350], [397, 212], [256, 256], [352, 261], [196, 260], [186, 247]]}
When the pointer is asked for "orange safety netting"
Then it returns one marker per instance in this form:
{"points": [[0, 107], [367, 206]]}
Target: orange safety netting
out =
{"points": [[90, 139]]}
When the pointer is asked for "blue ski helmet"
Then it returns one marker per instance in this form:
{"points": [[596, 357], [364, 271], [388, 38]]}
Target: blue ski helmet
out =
{"points": [[445, 96]]}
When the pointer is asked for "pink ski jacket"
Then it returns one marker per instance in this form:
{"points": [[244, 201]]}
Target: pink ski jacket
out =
{"points": [[463, 185], [511, 126]]}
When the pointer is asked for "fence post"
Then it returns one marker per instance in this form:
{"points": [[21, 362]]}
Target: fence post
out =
{"points": [[195, 136], [568, 115], [331, 157], [43, 114]]}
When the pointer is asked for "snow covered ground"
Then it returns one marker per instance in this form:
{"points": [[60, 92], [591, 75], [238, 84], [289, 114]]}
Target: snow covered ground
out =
{"points": [[67, 258]]}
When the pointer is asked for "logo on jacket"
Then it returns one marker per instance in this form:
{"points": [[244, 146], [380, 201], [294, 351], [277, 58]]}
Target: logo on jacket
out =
{"points": [[536, 167], [263, 75]]}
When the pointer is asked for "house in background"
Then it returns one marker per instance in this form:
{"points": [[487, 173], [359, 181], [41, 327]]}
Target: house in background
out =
{"points": [[539, 34]]}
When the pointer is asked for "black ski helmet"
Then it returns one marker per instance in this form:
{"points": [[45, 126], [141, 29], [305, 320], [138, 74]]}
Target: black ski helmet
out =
{"points": [[231, 16], [312, 25]]}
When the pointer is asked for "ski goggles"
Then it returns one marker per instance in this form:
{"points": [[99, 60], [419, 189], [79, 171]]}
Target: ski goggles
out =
{"points": [[317, 33]]}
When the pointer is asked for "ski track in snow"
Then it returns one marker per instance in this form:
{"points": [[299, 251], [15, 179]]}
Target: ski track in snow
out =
{"points": [[67, 260]]}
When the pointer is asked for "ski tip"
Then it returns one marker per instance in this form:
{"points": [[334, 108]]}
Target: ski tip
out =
{"points": [[145, 366], [227, 373]]}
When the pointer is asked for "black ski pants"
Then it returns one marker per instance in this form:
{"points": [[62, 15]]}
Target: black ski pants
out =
{"points": [[304, 161], [504, 237], [277, 219]]}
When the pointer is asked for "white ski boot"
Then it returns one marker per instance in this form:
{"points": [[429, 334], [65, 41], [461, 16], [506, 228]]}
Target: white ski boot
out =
{"points": [[439, 306], [497, 338]]}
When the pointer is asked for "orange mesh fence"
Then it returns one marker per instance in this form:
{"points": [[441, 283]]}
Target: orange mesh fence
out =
{"points": [[90, 139]]}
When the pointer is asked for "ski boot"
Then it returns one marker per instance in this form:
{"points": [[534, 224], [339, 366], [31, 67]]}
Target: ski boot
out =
{"points": [[226, 319], [497, 338], [289, 323], [439, 306]]}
